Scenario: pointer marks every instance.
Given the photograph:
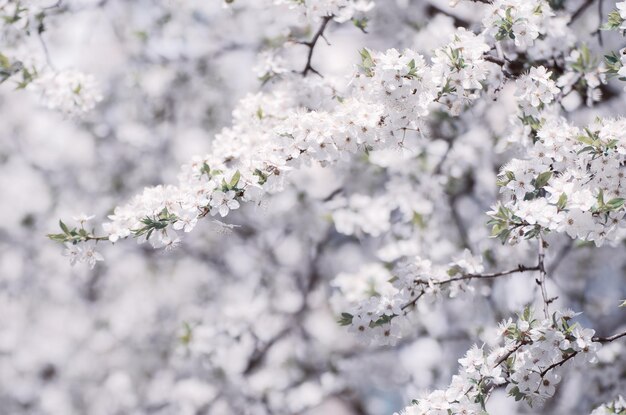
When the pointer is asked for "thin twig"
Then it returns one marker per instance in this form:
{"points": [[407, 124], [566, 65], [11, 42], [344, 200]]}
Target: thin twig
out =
{"points": [[559, 363], [259, 354], [458, 221], [580, 10], [610, 338], [494, 59], [509, 353], [413, 302], [520, 269], [500, 61], [600, 15], [439, 166], [311, 45], [542, 277], [44, 47], [561, 256]]}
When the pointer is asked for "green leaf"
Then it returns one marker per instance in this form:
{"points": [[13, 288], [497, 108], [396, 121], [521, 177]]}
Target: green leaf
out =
{"points": [[418, 219], [614, 21], [601, 198], [585, 149], [59, 237], [562, 202], [4, 62], [206, 169], [235, 179], [527, 314], [345, 319], [454, 271], [543, 179], [615, 203], [360, 23], [382, 321], [515, 392], [187, 336], [367, 63], [64, 227], [510, 175]]}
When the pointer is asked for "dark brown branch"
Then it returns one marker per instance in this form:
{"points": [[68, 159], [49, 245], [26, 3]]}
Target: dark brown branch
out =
{"points": [[520, 268], [458, 222], [314, 277], [561, 256], [541, 281], [502, 62], [559, 363], [610, 338], [600, 18], [439, 166], [595, 339], [259, 354], [494, 59], [311, 45], [433, 10], [413, 302], [581, 9], [510, 353]]}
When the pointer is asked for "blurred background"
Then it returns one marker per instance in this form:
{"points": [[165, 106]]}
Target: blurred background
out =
{"points": [[243, 320]]}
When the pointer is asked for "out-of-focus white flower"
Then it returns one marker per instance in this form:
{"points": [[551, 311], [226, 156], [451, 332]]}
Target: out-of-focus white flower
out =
{"points": [[70, 92], [83, 253], [83, 218]]}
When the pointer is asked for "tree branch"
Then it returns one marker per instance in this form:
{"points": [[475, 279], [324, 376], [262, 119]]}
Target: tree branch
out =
{"points": [[595, 339], [311, 45], [542, 277], [565, 250], [559, 363], [520, 268], [458, 221], [581, 9], [610, 338]]}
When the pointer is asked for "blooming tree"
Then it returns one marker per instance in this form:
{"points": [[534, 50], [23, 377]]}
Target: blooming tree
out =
{"points": [[400, 206]]}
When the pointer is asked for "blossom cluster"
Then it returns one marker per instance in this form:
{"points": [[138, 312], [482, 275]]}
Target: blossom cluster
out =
{"points": [[273, 133], [532, 27], [536, 90], [83, 253], [461, 68], [522, 21], [69, 92], [340, 10], [408, 85], [381, 300], [572, 182], [528, 362], [617, 407], [583, 74], [401, 201]]}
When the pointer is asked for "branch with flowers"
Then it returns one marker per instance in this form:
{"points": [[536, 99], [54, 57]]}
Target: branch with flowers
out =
{"points": [[553, 177], [527, 363]]}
